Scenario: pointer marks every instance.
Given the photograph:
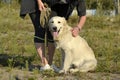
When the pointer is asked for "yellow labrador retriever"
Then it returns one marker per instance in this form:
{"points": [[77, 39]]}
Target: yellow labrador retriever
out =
{"points": [[76, 53]]}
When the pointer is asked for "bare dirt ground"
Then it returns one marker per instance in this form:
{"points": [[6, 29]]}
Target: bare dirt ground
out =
{"points": [[18, 74]]}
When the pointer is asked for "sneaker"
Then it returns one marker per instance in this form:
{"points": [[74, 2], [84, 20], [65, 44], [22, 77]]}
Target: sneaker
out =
{"points": [[55, 68], [46, 67]]}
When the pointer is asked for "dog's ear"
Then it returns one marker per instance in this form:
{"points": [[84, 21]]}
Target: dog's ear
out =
{"points": [[64, 21], [48, 25]]}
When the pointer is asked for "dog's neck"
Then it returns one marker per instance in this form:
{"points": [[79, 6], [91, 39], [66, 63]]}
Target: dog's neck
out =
{"points": [[66, 31], [62, 37]]}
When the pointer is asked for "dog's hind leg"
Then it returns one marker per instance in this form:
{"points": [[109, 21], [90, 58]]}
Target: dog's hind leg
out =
{"points": [[88, 66], [74, 70]]}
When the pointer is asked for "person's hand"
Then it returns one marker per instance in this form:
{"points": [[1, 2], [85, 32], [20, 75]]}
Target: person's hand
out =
{"points": [[75, 31], [41, 5]]}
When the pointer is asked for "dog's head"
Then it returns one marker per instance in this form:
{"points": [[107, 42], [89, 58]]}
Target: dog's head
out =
{"points": [[56, 25]]}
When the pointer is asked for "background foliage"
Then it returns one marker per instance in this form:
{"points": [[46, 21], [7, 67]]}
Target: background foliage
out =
{"points": [[17, 49], [90, 4], [104, 4]]}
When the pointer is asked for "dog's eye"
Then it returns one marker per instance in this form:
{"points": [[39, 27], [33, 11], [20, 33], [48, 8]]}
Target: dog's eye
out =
{"points": [[52, 21], [59, 22]]}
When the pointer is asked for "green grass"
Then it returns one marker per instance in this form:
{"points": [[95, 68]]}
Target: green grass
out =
{"points": [[17, 48]]}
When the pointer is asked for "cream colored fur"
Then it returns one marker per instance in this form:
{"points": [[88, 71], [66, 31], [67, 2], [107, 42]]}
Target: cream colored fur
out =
{"points": [[75, 50]]}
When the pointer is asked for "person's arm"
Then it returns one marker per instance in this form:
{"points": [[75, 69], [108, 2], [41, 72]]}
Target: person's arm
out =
{"points": [[78, 27], [81, 22], [81, 9], [41, 5]]}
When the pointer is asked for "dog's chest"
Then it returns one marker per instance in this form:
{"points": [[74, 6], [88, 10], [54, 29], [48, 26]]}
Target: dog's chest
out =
{"points": [[63, 45]]}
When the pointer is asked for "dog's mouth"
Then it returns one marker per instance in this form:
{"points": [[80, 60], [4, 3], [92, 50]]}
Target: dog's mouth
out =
{"points": [[55, 32]]}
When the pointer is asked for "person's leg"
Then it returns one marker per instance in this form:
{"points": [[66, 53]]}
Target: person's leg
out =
{"points": [[39, 37], [51, 50], [41, 52]]}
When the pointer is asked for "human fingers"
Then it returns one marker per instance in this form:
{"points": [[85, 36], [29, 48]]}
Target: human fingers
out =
{"points": [[75, 31]]}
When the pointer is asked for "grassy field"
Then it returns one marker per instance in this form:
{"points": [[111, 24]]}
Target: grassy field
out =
{"points": [[19, 60]]}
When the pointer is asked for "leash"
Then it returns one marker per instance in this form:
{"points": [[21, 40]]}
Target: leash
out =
{"points": [[44, 18]]}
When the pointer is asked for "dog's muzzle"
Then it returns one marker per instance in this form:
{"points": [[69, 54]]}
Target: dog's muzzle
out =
{"points": [[54, 29], [55, 32]]}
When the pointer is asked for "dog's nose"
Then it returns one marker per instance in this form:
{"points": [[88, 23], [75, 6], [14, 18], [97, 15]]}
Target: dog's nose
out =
{"points": [[55, 28]]}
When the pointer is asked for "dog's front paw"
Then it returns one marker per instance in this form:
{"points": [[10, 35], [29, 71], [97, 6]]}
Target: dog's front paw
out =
{"points": [[61, 71]]}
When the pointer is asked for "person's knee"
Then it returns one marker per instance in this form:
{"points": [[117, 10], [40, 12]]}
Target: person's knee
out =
{"points": [[38, 40]]}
